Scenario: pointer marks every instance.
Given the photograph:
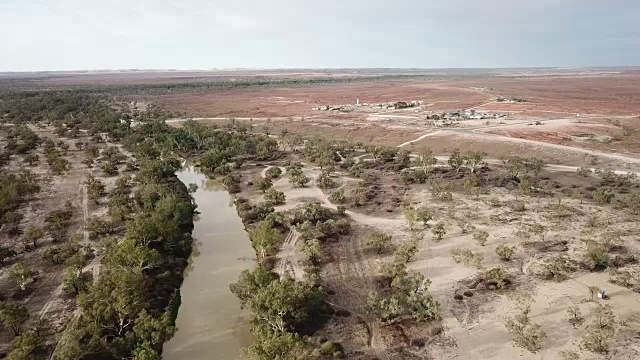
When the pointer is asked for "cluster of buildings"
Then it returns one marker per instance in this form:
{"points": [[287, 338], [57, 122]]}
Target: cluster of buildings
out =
{"points": [[465, 115], [391, 105]]}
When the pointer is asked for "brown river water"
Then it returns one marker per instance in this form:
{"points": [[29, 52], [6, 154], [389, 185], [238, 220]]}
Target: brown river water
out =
{"points": [[210, 323]]}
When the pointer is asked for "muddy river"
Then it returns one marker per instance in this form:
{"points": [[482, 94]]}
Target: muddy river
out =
{"points": [[210, 323]]}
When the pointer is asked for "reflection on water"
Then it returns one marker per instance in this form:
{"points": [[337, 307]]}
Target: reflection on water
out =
{"points": [[210, 322]]}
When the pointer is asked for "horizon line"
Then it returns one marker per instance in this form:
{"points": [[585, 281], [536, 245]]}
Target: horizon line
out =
{"points": [[315, 68]]}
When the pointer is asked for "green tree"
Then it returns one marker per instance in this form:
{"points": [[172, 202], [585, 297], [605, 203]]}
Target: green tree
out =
{"points": [[6, 253], [377, 242], [75, 281], [456, 160], [28, 346], [128, 254], [324, 180], [115, 300], [265, 239], [13, 316], [32, 235], [313, 251], [286, 305], [425, 160], [473, 158], [153, 330], [95, 188], [298, 178], [263, 184], [272, 345], [22, 274], [250, 282]]}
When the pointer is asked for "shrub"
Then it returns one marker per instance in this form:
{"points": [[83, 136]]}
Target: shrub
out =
{"points": [[338, 197], [273, 172], [556, 268], [497, 276], [343, 226], [575, 316], [584, 171], [439, 230], [526, 334], [324, 181], [467, 257], [603, 195], [6, 253], [481, 237], [518, 206], [57, 255], [600, 331], [275, 196], [110, 168], [231, 184], [360, 196], [505, 252], [597, 256], [465, 227]]}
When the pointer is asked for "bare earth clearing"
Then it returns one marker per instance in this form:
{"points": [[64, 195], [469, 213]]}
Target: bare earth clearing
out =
{"points": [[474, 323]]}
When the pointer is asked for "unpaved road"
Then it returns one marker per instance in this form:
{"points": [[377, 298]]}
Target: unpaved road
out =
{"points": [[289, 258]]}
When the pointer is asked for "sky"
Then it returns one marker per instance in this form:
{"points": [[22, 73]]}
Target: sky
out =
{"points": [[42, 35]]}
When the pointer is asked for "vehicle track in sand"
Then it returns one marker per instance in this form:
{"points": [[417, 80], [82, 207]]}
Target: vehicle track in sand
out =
{"points": [[289, 258]]}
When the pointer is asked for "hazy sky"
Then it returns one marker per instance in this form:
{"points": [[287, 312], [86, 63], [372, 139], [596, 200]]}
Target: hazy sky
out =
{"points": [[200, 34]]}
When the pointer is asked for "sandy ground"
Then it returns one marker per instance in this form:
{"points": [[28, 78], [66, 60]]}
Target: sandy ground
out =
{"points": [[475, 324]]}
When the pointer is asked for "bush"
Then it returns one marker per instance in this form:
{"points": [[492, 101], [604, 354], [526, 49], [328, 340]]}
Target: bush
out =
{"points": [[377, 242], [600, 331], [597, 256], [556, 269], [439, 231], [324, 181], [497, 276], [360, 196], [110, 168], [481, 237], [275, 196], [603, 195], [518, 206], [297, 178], [338, 197], [231, 184], [505, 252], [273, 172], [6, 253], [467, 257], [57, 255], [525, 333], [584, 171]]}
